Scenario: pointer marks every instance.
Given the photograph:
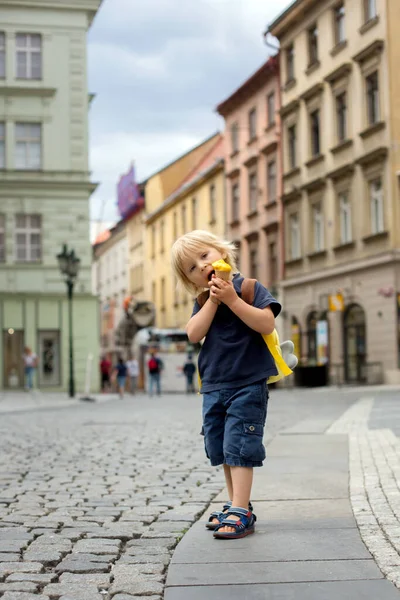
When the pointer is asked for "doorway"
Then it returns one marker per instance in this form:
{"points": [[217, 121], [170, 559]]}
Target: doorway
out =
{"points": [[355, 344], [13, 368]]}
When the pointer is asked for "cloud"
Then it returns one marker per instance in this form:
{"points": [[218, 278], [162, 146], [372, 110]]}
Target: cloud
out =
{"points": [[158, 69]]}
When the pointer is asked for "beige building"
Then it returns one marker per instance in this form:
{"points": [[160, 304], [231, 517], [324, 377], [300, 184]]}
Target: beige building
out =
{"points": [[341, 199]]}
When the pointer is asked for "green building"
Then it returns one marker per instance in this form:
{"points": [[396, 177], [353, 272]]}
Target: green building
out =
{"points": [[44, 190]]}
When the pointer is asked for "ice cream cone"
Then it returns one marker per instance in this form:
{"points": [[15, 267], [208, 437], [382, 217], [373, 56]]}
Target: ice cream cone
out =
{"points": [[222, 270]]}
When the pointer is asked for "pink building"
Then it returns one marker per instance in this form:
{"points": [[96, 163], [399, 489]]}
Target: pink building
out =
{"points": [[253, 174]]}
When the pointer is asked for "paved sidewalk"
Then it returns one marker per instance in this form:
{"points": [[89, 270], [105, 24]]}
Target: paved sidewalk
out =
{"points": [[315, 539], [20, 401]]}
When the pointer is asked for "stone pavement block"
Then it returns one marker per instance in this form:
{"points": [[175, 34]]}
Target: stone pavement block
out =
{"points": [[345, 590], [139, 587], [199, 546], [8, 557], [14, 534], [81, 566], [273, 572], [41, 578], [20, 567], [129, 597], [19, 586], [22, 596]]}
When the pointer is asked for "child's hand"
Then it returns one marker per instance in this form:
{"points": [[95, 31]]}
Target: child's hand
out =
{"points": [[223, 291]]}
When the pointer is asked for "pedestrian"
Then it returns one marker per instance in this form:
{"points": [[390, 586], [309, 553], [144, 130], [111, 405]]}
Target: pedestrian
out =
{"points": [[121, 373], [30, 364], [155, 366], [133, 372], [234, 365], [105, 372], [189, 369]]}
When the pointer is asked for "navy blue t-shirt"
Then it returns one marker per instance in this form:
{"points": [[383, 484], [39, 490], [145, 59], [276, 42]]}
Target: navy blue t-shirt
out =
{"points": [[234, 355], [121, 370]]}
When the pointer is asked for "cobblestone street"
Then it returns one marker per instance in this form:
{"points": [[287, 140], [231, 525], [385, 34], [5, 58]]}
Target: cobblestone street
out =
{"points": [[94, 497]]}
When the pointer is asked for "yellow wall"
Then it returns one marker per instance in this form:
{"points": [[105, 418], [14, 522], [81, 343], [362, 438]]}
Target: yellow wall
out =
{"points": [[135, 235], [174, 306], [161, 185]]}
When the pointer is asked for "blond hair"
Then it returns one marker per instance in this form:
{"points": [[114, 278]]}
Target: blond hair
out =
{"points": [[190, 243]]}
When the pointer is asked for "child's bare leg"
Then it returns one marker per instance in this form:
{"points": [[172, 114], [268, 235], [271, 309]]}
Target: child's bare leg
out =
{"points": [[229, 487], [242, 480]]}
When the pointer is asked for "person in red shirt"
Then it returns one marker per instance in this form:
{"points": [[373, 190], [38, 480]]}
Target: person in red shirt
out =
{"points": [[105, 371]]}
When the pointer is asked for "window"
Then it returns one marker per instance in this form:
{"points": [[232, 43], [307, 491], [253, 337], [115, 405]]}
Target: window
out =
{"points": [[339, 16], [28, 146], [194, 212], [253, 191], [313, 45], [235, 138], [289, 63], [29, 56], [28, 235], [235, 202], [2, 55], [294, 229], [315, 133], [312, 319], [49, 370], [271, 108], [213, 207], [153, 241], [273, 263], [2, 146], [162, 230], [253, 257], [341, 116], [372, 98], [370, 11], [252, 124], [183, 218], [292, 147], [376, 200], [345, 218], [154, 292], [2, 239], [163, 299], [271, 181], [175, 225], [318, 228]]}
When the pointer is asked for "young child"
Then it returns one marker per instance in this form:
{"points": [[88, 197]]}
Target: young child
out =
{"points": [[234, 365]]}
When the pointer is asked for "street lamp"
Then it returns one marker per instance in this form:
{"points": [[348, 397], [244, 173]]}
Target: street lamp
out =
{"points": [[69, 267]]}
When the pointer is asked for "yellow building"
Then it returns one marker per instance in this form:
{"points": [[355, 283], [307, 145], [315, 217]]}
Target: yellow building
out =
{"points": [[340, 130], [198, 203], [135, 239]]}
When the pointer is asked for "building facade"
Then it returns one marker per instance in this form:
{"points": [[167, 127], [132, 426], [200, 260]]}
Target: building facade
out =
{"points": [[160, 232], [253, 174], [111, 283], [44, 189], [198, 203], [340, 184]]}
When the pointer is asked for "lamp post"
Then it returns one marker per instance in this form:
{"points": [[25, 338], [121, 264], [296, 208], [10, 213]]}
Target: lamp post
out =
{"points": [[69, 267]]}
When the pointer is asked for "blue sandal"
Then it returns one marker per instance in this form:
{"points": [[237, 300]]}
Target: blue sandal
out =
{"points": [[243, 527], [220, 515]]}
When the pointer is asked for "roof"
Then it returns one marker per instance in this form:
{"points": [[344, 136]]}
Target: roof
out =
{"points": [[179, 158], [250, 86], [209, 163], [290, 16]]}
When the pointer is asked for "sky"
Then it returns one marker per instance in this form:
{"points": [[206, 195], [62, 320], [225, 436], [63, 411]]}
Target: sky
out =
{"points": [[158, 69]]}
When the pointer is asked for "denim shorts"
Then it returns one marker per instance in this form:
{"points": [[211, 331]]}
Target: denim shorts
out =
{"points": [[233, 425]]}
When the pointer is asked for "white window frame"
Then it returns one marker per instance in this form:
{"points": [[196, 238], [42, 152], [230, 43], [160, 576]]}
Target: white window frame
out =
{"points": [[318, 228], [271, 109], [341, 116], [294, 228], [213, 207], [29, 50], [370, 10], [339, 13], [253, 191], [2, 55], [2, 238], [235, 137], [252, 123], [292, 146], [33, 252], [2, 145], [376, 206], [29, 140], [373, 100], [345, 220], [271, 181]]}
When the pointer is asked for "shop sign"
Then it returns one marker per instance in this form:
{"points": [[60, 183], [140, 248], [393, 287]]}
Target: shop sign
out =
{"points": [[322, 342], [336, 303]]}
